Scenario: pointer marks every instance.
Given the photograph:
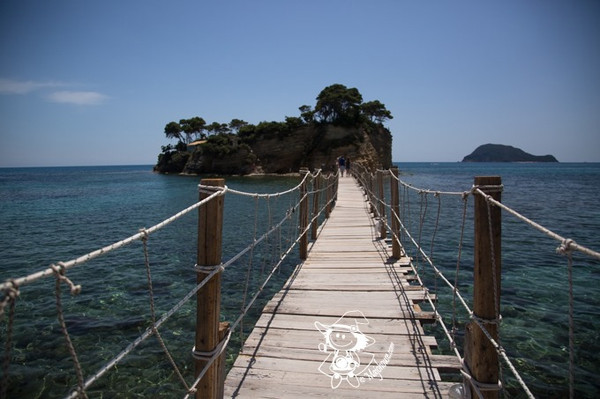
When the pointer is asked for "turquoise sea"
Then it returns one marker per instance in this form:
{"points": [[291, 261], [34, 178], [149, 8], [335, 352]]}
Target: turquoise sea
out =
{"points": [[562, 197], [49, 215]]}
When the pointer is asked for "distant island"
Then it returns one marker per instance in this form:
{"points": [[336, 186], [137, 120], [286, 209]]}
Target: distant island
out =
{"points": [[340, 124], [504, 153]]}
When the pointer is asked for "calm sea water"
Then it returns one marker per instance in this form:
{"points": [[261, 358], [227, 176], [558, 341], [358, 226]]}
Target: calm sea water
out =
{"points": [[563, 198], [55, 214]]}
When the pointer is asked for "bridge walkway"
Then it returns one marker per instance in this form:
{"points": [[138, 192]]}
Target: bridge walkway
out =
{"points": [[351, 291]]}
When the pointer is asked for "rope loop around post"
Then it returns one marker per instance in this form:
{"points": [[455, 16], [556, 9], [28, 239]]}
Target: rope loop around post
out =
{"points": [[208, 355], [209, 269], [495, 321], [489, 188], [204, 189]]}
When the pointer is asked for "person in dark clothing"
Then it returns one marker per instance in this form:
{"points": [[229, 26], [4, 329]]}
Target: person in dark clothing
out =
{"points": [[342, 165]]}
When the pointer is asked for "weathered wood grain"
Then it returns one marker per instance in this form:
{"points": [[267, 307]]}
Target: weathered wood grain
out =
{"points": [[348, 269]]}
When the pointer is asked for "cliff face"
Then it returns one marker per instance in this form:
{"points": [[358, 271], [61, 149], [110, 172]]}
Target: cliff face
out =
{"points": [[308, 146], [504, 153]]}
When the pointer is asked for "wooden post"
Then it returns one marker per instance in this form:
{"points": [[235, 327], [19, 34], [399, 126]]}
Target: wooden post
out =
{"points": [[483, 358], [210, 236], [315, 223], [395, 213], [381, 206], [303, 222]]}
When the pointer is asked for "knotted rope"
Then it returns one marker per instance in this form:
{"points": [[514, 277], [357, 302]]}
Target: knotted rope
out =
{"points": [[153, 311], [59, 272]]}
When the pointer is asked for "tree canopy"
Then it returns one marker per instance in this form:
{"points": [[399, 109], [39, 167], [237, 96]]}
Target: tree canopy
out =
{"points": [[193, 128], [173, 131], [375, 111], [336, 104]]}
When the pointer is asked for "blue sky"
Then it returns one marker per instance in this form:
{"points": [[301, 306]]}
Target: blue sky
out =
{"points": [[94, 83]]}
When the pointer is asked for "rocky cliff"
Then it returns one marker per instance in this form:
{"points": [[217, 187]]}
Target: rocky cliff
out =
{"points": [[504, 153], [312, 146]]}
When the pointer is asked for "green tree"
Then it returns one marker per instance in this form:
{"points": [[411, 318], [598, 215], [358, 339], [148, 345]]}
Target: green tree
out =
{"points": [[173, 131], [217, 128], [375, 111], [247, 130], [193, 128], [306, 113], [272, 128], [338, 104], [236, 124], [293, 122]]}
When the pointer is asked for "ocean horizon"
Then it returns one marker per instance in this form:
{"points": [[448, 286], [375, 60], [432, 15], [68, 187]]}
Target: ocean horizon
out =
{"points": [[393, 162]]}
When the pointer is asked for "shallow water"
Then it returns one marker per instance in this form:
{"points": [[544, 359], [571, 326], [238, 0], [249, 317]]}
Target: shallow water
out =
{"points": [[55, 214]]}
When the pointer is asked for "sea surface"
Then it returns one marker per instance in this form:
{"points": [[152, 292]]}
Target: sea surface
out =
{"points": [[48, 215]]}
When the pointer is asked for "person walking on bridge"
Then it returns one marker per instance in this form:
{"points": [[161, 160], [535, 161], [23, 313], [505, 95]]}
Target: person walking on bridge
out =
{"points": [[342, 165]]}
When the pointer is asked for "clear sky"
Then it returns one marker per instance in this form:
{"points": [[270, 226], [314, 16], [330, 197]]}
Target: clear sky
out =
{"points": [[95, 82]]}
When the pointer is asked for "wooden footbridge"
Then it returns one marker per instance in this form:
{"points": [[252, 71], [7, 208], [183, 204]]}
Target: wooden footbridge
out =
{"points": [[349, 287], [347, 323]]}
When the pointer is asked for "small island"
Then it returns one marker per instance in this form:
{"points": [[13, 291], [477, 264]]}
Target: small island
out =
{"points": [[504, 153], [340, 124]]}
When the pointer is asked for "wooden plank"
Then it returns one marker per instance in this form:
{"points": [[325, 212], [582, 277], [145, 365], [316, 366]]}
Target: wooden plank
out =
{"points": [[271, 385], [297, 366], [347, 269], [306, 309], [443, 362], [352, 298], [377, 325], [290, 338]]}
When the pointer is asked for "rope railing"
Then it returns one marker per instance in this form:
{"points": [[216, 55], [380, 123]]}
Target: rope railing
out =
{"points": [[478, 387], [11, 288], [384, 210], [21, 281]]}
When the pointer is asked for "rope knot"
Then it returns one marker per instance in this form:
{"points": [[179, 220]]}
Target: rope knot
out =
{"points": [[144, 234], [10, 295], [59, 271], [565, 247], [12, 292]]}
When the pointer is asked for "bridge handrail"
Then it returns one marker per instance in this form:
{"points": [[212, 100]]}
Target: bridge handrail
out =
{"points": [[14, 283], [10, 288], [566, 247]]}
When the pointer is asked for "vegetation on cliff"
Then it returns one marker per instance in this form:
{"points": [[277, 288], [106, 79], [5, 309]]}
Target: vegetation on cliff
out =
{"points": [[504, 153], [340, 124]]}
